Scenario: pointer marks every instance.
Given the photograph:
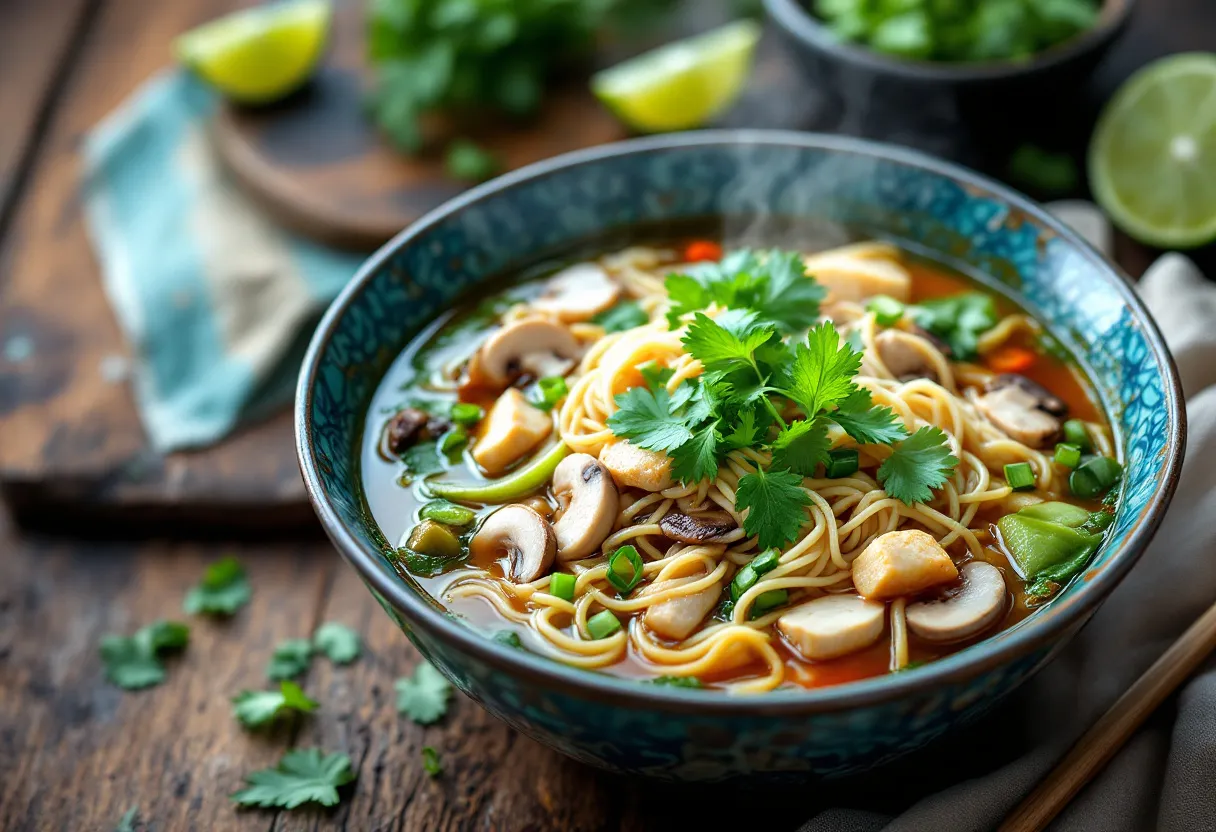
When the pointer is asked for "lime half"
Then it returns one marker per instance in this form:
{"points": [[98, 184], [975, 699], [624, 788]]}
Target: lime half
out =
{"points": [[683, 84], [260, 54], [1152, 162]]}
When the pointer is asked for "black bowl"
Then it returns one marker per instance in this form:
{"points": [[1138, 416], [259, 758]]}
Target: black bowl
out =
{"points": [[975, 113]]}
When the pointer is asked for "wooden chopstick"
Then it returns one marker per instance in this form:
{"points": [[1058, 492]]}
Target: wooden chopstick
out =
{"points": [[1099, 743]]}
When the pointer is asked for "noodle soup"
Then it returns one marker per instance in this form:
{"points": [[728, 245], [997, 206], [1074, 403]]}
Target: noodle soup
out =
{"points": [[742, 470]]}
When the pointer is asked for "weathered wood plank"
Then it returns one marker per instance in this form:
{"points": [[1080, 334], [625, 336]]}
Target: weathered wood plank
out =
{"points": [[72, 434]]}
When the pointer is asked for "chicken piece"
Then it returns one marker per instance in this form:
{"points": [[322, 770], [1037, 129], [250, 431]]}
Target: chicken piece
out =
{"points": [[678, 617], [1017, 414], [513, 428], [833, 626], [634, 467], [855, 273], [901, 563]]}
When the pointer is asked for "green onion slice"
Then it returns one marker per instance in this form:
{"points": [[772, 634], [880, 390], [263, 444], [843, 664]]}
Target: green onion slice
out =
{"points": [[1020, 476], [1068, 455], [744, 580], [467, 414], [603, 624], [887, 310], [551, 389], [768, 601], [842, 462], [766, 561], [625, 569], [450, 514], [561, 585], [1075, 433]]}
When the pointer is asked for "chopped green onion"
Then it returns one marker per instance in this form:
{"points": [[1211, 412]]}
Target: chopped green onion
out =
{"points": [[1095, 476], [552, 389], [887, 310], [842, 462], [467, 414], [1020, 476], [603, 624], [766, 561], [744, 580], [677, 681], [625, 569], [509, 638], [1068, 455], [1083, 484], [561, 585], [450, 514], [456, 438], [1075, 433], [770, 600]]}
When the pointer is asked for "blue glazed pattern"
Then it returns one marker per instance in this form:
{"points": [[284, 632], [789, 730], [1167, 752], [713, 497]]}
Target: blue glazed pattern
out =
{"points": [[880, 192]]}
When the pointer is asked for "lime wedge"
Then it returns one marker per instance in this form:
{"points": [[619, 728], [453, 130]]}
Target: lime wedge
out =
{"points": [[1152, 161], [683, 84], [260, 54]]}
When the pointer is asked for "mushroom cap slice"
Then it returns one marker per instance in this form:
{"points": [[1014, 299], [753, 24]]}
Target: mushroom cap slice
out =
{"points": [[1017, 414], [634, 467], [907, 356], [1046, 401], [701, 527], [521, 535], [963, 612], [833, 626], [530, 342], [578, 293], [590, 502]]}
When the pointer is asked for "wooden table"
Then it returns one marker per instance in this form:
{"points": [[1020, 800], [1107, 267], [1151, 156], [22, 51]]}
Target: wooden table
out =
{"points": [[76, 752]]}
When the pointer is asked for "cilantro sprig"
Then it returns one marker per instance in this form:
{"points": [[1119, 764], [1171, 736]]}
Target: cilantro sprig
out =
{"points": [[424, 696], [774, 379], [134, 662], [222, 591], [256, 708], [302, 776]]}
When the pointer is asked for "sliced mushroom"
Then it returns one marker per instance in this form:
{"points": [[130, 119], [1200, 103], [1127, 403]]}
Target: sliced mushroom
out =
{"points": [[522, 536], [513, 428], [634, 467], [1047, 401], [833, 626], [589, 504], [578, 293], [406, 428], [537, 346], [963, 612], [1016, 413], [702, 527], [899, 563], [907, 356], [677, 618]]}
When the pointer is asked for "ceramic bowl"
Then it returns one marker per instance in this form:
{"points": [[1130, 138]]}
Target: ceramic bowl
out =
{"points": [[874, 190]]}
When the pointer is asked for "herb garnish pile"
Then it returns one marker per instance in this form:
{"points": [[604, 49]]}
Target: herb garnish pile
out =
{"points": [[776, 381]]}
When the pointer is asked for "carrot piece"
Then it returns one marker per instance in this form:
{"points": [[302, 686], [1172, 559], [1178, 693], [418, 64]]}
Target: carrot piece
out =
{"points": [[1010, 359], [699, 250]]}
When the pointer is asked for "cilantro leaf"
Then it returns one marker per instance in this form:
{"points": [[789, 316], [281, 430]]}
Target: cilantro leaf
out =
{"points": [[337, 641], [677, 681], [745, 432], [255, 708], [431, 763], [424, 696], [697, 459], [866, 423], [720, 349], [684, 295], [648, 418], [290, 658], [792, 298], [958, 320], [128, 820], [920, 463], [423, 459], [301, 776], [801, 446], [133, 662], [467, 161], [822, 372], [625, 315], [222, 591], [776, 505]]}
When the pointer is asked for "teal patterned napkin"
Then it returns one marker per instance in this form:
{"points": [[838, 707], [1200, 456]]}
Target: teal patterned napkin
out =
{"points": [[216, 302]]}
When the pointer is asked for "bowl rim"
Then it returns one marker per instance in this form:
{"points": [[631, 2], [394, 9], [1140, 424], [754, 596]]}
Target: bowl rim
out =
{"points": [[799, 23], [1040, 629]]}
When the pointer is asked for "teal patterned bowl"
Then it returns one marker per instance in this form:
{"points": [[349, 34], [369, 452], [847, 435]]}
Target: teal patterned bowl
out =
{"points": [[879, 191]]}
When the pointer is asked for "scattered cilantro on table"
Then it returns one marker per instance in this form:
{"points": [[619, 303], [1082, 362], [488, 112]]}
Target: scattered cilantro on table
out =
{"points": [[424, 696], [256, 708], [222, 591], [290, 658], [301, 776], [468, 162], [431, 763], [337, 641], [128, 820], [134, 662]]}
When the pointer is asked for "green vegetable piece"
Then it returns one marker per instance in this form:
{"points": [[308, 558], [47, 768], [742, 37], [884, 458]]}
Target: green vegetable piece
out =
{"points": [[256, 708], [337, 641], [887, 310], [1020, 476], [434, 539], [449, 514], [561, 585], [1104, 469], [424, 696], [766, 561], [222, 591], [468, 162], [1098, 521], [1068, 455], [625, 315], [550, 391], [454, 439], [959, 320], [302, 776], [134, 662], [510, 638], [517, 484], [678, 682], [1036, 545], [467, 414], [625, 569], [842, 462], [1063, 514], [768, 601], [1075, 433], [430, 761], [290, 658], [603, 624], [744, 580]]}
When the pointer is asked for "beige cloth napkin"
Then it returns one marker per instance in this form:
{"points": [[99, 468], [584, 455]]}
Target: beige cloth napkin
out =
{"points": [[1165, 777]]}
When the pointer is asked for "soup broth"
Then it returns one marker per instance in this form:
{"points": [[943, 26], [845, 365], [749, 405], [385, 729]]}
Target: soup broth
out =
{"points": [[773, 469]]}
